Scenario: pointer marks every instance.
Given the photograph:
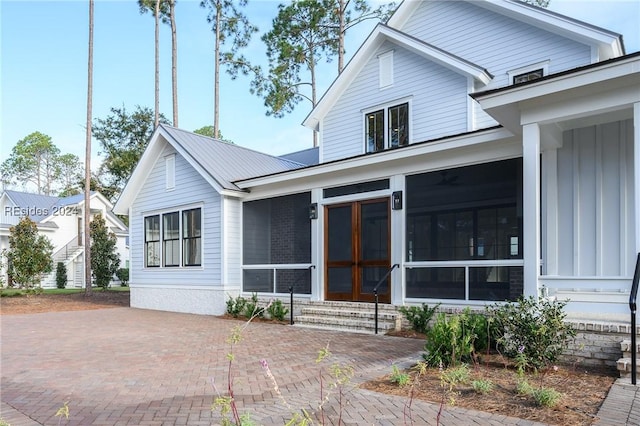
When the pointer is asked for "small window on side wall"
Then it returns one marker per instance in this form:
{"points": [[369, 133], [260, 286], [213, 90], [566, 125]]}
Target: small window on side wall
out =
{"points": [[528, 73], [528, 76]]}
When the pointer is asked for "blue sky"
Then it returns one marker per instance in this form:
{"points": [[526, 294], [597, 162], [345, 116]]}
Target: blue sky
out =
{"points": [[43, 69]]}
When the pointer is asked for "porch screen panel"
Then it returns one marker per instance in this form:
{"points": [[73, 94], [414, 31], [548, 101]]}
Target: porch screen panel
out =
{"points": [[467, 213], [258, 280], [277, 230], [436, 283], [496, 283], [299, 279]]}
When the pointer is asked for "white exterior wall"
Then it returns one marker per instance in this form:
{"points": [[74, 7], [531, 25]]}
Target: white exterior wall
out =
{"points": [[437, 100], [591, 210], [180, 289], [493, 41], [460, 28]]}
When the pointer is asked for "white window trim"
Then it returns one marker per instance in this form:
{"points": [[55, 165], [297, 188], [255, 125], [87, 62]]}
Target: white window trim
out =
{"points": [[385, 107], [179, 210], [544, 65]]}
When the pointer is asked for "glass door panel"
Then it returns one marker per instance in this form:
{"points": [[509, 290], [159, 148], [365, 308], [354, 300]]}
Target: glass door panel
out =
{"points": [[339, 252]]}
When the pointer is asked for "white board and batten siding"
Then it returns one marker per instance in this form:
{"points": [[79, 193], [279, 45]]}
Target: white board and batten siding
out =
{"points": [[180, 289], [437, 99], [590, 237]]}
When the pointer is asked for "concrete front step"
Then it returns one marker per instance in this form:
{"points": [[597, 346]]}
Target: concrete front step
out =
{"points": [[348, 316]]}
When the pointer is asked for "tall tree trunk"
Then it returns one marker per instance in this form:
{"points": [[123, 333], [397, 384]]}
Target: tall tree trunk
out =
{"points": [[157, 91], [216, 76], [174, 62], [87, 162], [341, 10]]}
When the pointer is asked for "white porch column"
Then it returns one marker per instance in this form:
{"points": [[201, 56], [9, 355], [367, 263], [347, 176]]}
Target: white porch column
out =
{"points": [[317, 242], [636, 172], [531, 207]]}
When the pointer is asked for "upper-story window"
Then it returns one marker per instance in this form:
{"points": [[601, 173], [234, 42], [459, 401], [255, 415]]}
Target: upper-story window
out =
{"points": [[387, 127]]}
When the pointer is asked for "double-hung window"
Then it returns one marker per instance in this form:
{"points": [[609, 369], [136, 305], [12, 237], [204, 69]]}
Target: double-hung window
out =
{"points": [[152, 240], [173, 239], [387, 128], [191, 237]]}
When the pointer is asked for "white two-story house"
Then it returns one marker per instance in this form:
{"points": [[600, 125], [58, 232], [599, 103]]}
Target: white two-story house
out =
{"points": [[60, 219], [480, 150]]}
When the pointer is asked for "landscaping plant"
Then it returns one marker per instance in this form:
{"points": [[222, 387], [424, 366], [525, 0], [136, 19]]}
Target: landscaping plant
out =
{"points": [[61, 275], [277, 310], [104, 257], [455, 339], [533, 329], [419, 317], [29, 254]]}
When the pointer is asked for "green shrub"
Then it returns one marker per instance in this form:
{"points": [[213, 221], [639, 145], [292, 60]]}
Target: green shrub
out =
{"points": [[235, 307], [419, 317], [455, 339], [123, 276], [251, 308], [61, 275], [455, 375], [534, 328], [277, 310]]}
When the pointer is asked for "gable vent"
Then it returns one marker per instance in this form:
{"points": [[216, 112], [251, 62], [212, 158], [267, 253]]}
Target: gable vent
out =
{"points": [[385, 65]]}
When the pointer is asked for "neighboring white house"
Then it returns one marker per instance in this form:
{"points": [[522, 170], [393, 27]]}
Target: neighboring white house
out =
{"points": [[489, 149], [60, 220]]}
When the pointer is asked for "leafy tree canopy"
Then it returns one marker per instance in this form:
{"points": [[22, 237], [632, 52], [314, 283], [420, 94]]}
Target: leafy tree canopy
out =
{"points": [[123, 137], [29, 254], [33, 160]]}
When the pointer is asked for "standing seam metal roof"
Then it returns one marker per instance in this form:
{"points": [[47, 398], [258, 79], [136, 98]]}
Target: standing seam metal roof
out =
{"points": [[226, 162]]}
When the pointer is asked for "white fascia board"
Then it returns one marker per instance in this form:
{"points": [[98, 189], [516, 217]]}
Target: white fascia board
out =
{"points": [[439, 56], [380, 34], [340, 84], [373, 160], [193, 162], [140, 173], [565, 82]]}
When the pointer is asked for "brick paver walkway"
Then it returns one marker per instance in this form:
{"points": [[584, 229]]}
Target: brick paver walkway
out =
{"points": [[135, 367]]}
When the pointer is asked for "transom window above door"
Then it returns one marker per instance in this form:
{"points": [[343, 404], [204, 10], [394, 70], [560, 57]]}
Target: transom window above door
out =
{"points": [[387, 128]]}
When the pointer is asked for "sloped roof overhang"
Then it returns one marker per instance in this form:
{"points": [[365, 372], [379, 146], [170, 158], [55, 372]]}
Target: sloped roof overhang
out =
{"points": [[599, 88], [405, 160]]}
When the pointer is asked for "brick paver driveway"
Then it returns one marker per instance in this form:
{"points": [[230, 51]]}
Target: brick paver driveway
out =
{"points": [[128, 366]]}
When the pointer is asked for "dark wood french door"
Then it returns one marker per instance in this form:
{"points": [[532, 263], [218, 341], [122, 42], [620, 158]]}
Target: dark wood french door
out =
{"points": [[357, 250]]}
